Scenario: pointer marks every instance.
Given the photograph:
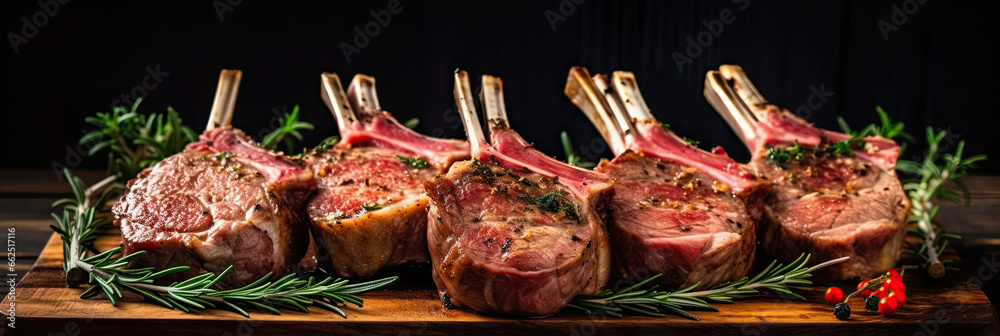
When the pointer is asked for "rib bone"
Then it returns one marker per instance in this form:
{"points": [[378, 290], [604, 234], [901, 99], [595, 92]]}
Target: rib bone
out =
{"points": [[335, 98], [744, 87], [506, 147], [725, 100], [758, 123], [650, 138], [625, 124], [467, 109], [589, 98], [361, 92], [494, 109], [225, 99], [628, 91]]}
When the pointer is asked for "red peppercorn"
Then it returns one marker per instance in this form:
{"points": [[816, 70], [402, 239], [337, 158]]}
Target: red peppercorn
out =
{"points": [[887, 306], [895, 283], [862, 284], [834, 295], [899, 296], [881, 292]]}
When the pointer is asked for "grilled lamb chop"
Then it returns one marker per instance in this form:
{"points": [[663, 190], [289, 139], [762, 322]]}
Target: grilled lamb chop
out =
{"points": [[825, 200], [221, 201], [676, 210], [369, 210], [514, 231]]}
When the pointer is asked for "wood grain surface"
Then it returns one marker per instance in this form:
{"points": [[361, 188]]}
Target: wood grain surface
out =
{"points": [[44, 306]]}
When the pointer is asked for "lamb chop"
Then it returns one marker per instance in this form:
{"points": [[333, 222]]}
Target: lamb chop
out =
{"points": [[833, 195], [676, 210], [514, 231], [369, 210], [222, 201]]}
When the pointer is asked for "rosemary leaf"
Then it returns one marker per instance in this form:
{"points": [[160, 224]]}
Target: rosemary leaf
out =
{"points": [[644, 299]]}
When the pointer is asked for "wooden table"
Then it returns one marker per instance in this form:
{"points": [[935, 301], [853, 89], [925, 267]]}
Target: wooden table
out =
{"points": [[953, 305]]}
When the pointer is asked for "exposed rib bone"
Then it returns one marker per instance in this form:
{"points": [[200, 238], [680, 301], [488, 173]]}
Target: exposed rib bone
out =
{"points": [[743, 86], [624, 122], [652, 139], [494, 109], [467, 109], [590, 99], [628, 91], [737, 114], [361, 92], [225, 99], [335, 98], [757, 122], [509, 149], [380, 129]]}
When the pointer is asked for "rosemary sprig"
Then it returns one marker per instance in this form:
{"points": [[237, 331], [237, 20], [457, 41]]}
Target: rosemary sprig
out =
{"points": [[571, 156], [940, 177], [323, 146], [287, 133], [369, 207], [846, 147], [781, 156], [80, 221], [635, 300], [288, 293], [414, 162], [690, 141], [135, 141], [412, 123], [554, 202], [886, 129], [107, 271]]}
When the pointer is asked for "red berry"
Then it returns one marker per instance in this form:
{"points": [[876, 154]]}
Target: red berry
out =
{"points": [[887, 306], [862, 284], [834, 295], [899, 296], [881, 292], [895, 283], [893, 273]]}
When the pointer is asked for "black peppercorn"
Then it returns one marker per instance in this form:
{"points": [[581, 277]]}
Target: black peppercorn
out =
{"points": [[842, 311], [871, 303]]}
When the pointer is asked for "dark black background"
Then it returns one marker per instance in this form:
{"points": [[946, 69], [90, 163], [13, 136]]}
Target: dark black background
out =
{"points": [[936, 69]]}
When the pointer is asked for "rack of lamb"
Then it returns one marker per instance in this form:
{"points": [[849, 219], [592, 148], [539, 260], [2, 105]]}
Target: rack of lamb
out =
{"points": [[222, 201], [833, 195], [677, 210], [514, 231], [369, 210]]}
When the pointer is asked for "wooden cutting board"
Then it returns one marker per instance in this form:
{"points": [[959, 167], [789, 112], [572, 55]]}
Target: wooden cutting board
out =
{"points": [[44, 306]]}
